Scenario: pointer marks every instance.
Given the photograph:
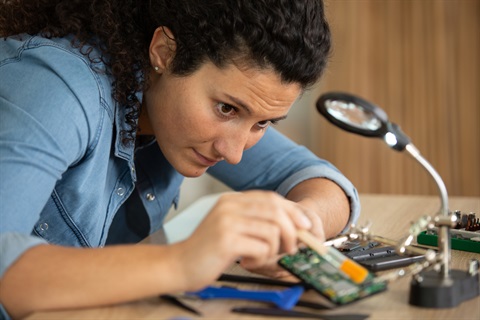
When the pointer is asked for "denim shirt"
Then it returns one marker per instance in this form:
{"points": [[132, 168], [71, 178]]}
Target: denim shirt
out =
{"points": [[64, 171]]}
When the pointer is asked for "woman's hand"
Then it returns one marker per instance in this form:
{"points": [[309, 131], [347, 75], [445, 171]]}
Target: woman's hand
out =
{"points": [[254, 226], [271, 268]]}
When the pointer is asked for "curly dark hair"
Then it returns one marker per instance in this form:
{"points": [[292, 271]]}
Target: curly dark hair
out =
{"points": [[291, 36]]}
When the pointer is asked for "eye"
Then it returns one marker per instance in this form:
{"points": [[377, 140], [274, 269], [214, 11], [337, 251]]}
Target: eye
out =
{"points": [[266, 123], [226, 110], [263, 124]]}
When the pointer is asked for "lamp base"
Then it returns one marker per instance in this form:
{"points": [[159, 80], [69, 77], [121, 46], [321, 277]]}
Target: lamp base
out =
{"points": [[432, 290]]}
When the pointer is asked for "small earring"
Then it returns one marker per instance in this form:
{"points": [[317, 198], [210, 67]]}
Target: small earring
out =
{"points": [[156, 68]]}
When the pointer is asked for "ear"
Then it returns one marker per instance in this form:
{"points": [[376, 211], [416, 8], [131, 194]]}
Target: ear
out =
{"points": [[162, 48]]}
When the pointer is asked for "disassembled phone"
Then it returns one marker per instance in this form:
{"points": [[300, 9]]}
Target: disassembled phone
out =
{"points": [[376, 257], [383, 258], [367, 253], [325, 278]]}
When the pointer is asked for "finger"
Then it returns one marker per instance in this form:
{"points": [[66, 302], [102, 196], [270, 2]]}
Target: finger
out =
{"points": [[301, 217], [263, 231], [270, 207], [230, 226], [303, 212], [317, 228], [253, 250], [270, 268]]}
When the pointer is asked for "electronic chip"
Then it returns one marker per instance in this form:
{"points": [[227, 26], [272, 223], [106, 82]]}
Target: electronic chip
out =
{"points": [[327, 280]]}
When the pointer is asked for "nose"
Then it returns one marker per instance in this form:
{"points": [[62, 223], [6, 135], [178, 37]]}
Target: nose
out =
{"points": [[232, 145]]}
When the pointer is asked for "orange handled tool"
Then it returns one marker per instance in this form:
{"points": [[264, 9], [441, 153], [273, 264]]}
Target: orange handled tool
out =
{"points": [[353, 270]]}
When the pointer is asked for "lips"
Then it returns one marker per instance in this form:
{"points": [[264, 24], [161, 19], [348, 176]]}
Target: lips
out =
{"points": [[209, 162]]}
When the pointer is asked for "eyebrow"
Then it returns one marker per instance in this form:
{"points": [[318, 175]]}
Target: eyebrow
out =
{"points": [[244, 106]]}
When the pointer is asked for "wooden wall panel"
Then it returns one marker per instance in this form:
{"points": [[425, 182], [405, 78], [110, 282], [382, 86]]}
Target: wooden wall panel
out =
{"points": [[419, 61]]}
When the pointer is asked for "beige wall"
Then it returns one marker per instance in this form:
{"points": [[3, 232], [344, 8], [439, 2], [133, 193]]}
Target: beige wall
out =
{"points": [[420, 61]]}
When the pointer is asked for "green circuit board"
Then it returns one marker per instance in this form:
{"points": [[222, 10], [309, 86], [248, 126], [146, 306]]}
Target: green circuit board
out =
{"points": [[327, 280]]}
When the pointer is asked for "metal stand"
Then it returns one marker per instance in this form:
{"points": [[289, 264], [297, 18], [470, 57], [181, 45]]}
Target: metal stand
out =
{"points": [[442, 288], [430, 289], [434, 285]]}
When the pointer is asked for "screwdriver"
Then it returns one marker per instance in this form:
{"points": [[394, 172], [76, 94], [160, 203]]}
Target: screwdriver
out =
{"points": [[353, 270]]}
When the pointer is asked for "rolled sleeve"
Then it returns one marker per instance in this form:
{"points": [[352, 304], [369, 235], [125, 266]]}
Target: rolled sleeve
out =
{"points": [[12, 246]]}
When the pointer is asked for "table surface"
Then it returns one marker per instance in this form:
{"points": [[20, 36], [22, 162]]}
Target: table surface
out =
{"points": [[390, 216]]}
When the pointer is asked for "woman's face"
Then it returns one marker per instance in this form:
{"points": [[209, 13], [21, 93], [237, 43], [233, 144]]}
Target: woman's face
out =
{"points": [[214, 114]]}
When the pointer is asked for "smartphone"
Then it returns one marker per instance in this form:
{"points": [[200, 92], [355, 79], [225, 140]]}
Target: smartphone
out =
{"points": [[382, 258]]}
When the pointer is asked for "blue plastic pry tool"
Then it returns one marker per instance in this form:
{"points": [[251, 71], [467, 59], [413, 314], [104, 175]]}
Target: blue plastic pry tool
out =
{"points": [[284, 299]]}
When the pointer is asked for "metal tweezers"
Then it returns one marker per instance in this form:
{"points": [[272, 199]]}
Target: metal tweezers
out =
{"points": [[298, 314], [174, 300]]}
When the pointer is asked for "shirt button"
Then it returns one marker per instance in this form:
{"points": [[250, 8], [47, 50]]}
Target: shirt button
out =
{"points": [[120, 191], [150, 197], [43, 226], [133, 169]]}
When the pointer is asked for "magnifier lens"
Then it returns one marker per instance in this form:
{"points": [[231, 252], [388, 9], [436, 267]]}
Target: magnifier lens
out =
{"points": [[353, 115]]}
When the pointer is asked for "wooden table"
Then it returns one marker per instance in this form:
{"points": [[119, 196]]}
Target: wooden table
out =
{"points": [[390, 217]]}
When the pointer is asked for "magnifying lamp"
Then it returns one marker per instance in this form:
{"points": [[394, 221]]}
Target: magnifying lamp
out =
{"points": [[437, 289]]}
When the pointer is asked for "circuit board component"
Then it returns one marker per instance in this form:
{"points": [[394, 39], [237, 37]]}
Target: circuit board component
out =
{"points": [[326, 279], [465, 235]]}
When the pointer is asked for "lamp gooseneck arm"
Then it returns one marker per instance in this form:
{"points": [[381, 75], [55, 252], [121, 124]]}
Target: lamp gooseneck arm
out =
{"points": [[444, 245]]}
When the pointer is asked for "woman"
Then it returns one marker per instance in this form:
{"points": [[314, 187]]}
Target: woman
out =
{"points": [[107, 105]]}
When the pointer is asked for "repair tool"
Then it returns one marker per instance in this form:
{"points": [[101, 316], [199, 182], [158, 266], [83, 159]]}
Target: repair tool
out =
{"points": [[353, 270], [174, 300], [284, 299], [298, 314]]}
